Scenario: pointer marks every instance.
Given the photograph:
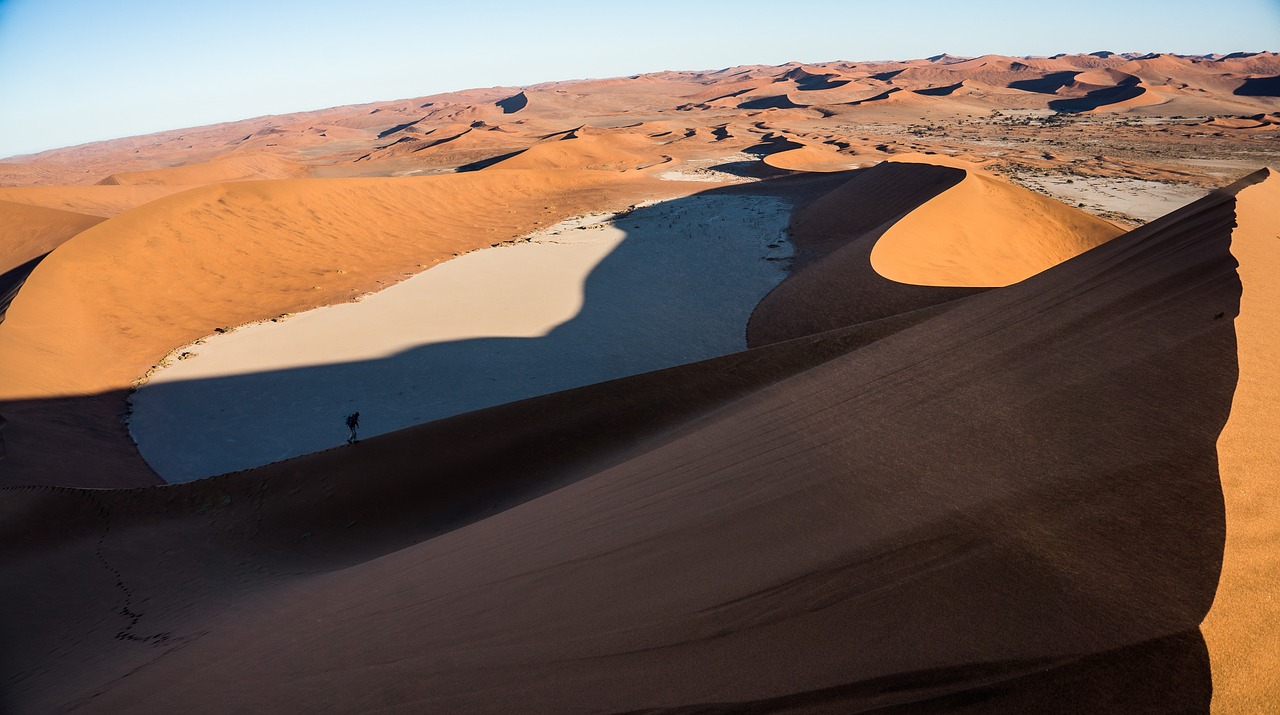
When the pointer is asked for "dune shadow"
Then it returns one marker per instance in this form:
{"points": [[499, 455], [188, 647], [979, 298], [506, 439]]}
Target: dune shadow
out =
{"points": [[399, 127], [1259, 87], [678, 288], [514, 103], [1127, 89], [1066, 483], [780, 101], [939, 91], [11, 282], [1047, 84], [1165, 675], [486, 163], [819, 83]]}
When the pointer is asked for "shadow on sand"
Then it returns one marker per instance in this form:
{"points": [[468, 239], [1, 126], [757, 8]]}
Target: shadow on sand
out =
{"points": [[1060, 442], [679, 288], [1127, 89]]}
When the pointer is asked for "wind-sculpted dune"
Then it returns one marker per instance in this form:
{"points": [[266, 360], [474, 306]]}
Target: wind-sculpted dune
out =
{"points": [[1003, 500], [982, 232], [242, 167], [107, 306], [763, 389]]}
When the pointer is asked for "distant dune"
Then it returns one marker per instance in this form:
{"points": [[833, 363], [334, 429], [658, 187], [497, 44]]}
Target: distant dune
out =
{"points": [[980, 432], [232, 168]]}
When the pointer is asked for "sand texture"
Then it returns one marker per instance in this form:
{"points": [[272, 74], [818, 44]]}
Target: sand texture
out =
{"points": [[807, 388], [584, 301]]}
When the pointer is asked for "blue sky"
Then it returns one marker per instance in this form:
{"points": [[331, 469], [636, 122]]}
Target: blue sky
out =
{"points": [[73, 71]]}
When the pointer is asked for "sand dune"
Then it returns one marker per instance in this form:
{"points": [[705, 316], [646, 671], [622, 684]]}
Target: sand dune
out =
{"points": [[102, 201], [1245, 619], [979, 451], [232, 168], [102, 309], [1052, 544], [581, 302], [811, 158], [833, 284], [585, 148], [28, 231], [983, 232]]}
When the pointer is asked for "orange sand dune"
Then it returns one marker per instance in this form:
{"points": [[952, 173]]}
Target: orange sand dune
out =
{"points": [[29, 231], [1244, 624], [812, 158], [587, 148], [472, 145], [1106, 77], [413, 139], [832, 283], [234, 168], [1009, 505], [1242, 84], [93, 200], [981, 454], [984, 232], [103, 308]]}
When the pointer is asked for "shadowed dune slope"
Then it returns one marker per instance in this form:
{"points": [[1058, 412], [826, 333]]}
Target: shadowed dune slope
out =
{"points": [[104, 307], [1010, 505], [833, 283]]}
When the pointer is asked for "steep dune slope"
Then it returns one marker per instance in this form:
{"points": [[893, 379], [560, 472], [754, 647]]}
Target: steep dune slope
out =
{"points": [[1012, 505], [832, 283]]}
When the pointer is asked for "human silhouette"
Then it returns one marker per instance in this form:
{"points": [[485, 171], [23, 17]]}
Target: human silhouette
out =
{"points": [[353, 424]]}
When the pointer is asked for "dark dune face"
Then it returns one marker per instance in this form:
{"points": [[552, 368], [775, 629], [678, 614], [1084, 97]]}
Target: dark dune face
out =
{"points": [[1008, 502]]}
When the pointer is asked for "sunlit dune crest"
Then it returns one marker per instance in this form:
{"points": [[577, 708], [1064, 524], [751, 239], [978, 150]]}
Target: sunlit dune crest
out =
{"points": [[940, 385]]}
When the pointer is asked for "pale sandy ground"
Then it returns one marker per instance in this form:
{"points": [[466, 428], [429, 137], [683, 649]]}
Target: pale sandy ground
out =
{"points": [[1140, 199], [584, 301], [724, 169]]}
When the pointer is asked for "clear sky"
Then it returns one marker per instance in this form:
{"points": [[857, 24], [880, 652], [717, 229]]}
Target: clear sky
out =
{"points": [[73, 71]]}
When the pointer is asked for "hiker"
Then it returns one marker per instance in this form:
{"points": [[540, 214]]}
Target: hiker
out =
{"points": [[353, 424]]}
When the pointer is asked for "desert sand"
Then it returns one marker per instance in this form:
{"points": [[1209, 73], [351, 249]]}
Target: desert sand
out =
{"points": [[588, 300], [968, 446]]}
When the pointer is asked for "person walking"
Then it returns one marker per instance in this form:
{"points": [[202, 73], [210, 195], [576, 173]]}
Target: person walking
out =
{"points": [[353, 424]]}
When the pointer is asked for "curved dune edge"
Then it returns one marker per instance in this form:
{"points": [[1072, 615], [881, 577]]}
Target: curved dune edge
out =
{"points": [[104, 307], [984, 232], [28, 231], [1243, 627], [587, 148], [1061, 517], [832, 283], [811, 158]]}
